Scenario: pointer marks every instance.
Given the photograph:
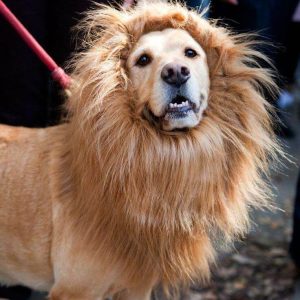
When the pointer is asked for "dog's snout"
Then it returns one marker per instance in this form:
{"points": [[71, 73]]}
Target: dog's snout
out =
{"points": [[175, 74]]}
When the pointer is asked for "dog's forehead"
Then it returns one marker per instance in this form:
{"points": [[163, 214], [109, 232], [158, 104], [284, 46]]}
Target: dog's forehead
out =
{"points": [[169, 38]]}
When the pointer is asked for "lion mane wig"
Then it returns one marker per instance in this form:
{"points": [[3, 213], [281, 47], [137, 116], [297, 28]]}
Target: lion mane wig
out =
{"points": [[157, 205]]}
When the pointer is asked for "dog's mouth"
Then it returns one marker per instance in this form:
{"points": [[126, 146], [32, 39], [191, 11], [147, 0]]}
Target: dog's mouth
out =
{"points": [[176, 115], [178, 108]]}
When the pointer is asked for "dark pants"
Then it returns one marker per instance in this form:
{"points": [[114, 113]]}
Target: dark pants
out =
{"points": [[290, 56], [295, 243], [270, 19], [248, 15], [27, 95]]}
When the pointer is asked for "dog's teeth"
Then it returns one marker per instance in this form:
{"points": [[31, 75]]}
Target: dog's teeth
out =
{"points": [[178, 105]]}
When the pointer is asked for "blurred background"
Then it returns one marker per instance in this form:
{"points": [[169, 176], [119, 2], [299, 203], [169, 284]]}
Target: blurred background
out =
{"points": [[266, 264]]}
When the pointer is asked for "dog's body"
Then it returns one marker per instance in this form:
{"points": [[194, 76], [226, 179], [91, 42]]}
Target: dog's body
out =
{"points": [[26, 206], [37, 246], [163, 151]]}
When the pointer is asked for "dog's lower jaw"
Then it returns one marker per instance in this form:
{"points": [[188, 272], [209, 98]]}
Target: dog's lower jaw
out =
{"points": [[189, 121], [168, 122]]}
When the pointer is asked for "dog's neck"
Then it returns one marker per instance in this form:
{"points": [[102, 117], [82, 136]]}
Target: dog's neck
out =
{"points": [[154, 179]]}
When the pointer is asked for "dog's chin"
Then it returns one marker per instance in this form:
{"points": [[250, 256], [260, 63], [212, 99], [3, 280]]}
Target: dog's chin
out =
{"points": [[180, 123], [179, 115]]}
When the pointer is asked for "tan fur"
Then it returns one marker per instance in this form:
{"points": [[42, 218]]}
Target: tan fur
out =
{"points": [[108, 202]]}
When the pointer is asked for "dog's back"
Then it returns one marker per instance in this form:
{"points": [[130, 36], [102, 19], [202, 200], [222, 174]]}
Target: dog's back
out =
{"points": [[25, 206]]}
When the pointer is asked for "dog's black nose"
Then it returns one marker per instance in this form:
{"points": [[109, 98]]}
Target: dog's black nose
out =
{"points": [[175, 74]]}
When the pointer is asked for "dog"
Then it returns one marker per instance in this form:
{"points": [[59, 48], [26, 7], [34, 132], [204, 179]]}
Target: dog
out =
{"points": [[163, 153]]}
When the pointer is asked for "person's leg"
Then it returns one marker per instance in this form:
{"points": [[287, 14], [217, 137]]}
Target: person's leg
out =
{"points": [[247, 16], [62, 16], [295, 243], [23, 78], [290, 56]]}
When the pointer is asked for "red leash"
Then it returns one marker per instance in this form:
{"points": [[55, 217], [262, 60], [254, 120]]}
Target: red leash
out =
{"points": [[57, 73]]}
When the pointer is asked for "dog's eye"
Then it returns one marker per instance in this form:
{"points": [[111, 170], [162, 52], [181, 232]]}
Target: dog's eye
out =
{"points": [[190, 53], [143, 60]]}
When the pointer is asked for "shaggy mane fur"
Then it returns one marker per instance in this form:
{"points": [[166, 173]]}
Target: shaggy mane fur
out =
{"points": [[156, 204]]}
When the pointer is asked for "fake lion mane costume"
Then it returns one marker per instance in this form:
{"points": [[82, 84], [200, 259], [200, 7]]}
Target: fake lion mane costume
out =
{"points": [[171, 193]]}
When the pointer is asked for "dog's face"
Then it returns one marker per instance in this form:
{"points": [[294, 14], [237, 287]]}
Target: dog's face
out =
{"points": [[169, 72]]}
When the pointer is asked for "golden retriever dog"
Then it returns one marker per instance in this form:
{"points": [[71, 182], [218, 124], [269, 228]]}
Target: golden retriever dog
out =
{"points": [[163, 153]]}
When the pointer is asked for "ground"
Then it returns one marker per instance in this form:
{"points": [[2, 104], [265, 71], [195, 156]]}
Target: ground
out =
{"points": [[259, 267]]}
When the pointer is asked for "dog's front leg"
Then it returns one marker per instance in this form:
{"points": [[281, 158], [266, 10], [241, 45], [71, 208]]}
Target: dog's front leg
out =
{"points": [[133, 295], [61, 293]]}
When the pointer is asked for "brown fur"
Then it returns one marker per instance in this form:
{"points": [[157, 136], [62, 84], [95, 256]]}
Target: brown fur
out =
{"points": [[132, 206]]}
